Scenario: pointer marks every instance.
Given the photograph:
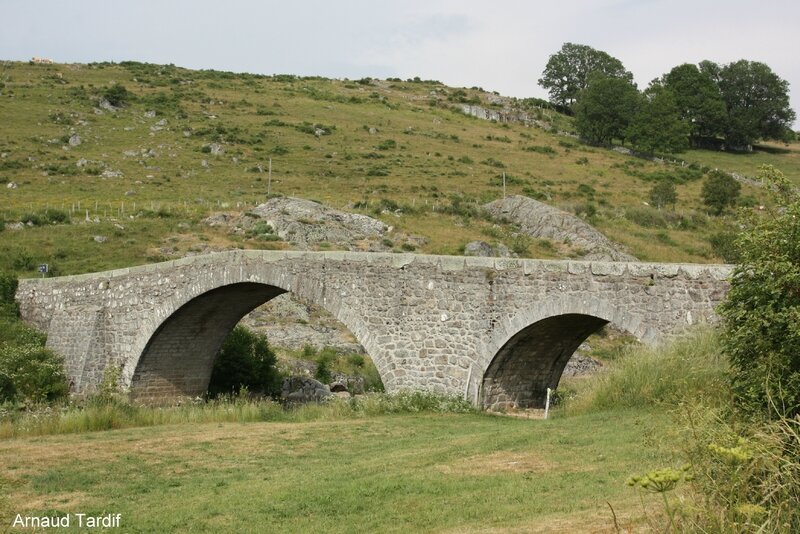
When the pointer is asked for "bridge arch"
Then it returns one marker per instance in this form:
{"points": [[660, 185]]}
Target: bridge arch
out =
{"points": [[528, 352], [175, 350]]}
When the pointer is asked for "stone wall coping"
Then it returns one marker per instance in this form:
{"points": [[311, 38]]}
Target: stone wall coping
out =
{"points": [[443, 262]]}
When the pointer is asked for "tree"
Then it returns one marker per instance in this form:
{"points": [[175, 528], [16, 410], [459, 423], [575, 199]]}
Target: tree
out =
{"points": [[720, 190], [761, 312], [698, 99], [663, 193], [568, 72], [657, 126], [605, 108], [757, 103], [245, 359]]}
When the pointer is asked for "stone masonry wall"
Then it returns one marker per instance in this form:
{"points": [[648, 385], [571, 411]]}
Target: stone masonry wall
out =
{"points": [[429, 322]]}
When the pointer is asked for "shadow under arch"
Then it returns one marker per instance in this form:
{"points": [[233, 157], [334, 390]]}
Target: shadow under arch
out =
{"points": [[532, 350], [179, 356]]}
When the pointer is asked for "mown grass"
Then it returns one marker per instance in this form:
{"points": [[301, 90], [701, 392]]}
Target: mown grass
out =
{"points": [[424, 472]]}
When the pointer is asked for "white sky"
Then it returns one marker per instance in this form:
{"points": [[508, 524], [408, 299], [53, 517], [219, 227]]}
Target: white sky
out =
{"points": [[502, 45]]}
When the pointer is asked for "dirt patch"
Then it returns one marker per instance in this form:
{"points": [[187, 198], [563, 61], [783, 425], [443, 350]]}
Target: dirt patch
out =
{"points": [[497, 462]]}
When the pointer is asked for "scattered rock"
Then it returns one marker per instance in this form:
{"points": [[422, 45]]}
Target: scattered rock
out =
{"points": [[100, 239], [75, 140], [542, 221], [130, 193], [149, 114], [216, 149], [106, 105], [298, 389], [11, 185], [108, 173], [15, 226], [580, 364]]}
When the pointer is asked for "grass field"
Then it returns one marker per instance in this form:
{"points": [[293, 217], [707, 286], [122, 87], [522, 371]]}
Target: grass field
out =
{"points": [[400, 473], [189, 143]]}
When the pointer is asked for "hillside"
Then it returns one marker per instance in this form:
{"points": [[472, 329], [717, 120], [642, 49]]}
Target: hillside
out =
{"points": [[136, 170]]}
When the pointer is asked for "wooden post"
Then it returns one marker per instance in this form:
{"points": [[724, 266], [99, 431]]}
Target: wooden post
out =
{"points": [[269, 178]]}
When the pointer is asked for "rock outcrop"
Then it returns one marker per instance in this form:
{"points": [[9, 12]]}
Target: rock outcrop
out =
{"points": [[304, 222], [542, 221]]}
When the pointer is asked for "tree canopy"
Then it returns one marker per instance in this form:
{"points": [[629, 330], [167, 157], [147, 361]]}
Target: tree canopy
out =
{"points": [[756, 101], [698, 99], [604, 109], [657, 125], [568, 72]]}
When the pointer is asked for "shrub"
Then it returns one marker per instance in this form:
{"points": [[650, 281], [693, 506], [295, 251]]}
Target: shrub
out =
{"points": [[663, 193], [244, 360], [724, 245], [720, 190], [541, 149], [31, 373], [117, 95], [762, 310], [388, 144]]}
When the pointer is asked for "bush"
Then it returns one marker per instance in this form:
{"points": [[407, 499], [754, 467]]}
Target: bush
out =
{"points": [[31, 373], [117, 95], [724, 245], [244, 359], [720, 190], [663, 193], [762, 310]]}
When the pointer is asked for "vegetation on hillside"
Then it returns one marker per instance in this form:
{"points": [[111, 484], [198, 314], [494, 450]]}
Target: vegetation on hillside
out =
{"points": [[106, 186]]}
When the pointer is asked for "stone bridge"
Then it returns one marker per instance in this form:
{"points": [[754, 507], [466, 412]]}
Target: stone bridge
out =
{"points": [[495, 331]]}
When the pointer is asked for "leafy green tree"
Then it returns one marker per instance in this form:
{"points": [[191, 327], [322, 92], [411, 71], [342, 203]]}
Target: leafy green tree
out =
{"points": [[605, 109], [663, 193], [719, 191], [698, 99], [761, 313], [757, 103], [657, 126], [568, 71], [245, 359]]}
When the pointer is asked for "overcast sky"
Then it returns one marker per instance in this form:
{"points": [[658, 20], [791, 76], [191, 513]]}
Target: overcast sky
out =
{"points": [[501, 45]]}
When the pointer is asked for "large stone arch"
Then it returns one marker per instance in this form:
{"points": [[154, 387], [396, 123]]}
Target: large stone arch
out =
{"points": [[527, 353], [174, 352]]}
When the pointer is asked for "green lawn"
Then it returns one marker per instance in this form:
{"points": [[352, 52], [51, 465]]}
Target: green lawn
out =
{"points": [[401, 473]]}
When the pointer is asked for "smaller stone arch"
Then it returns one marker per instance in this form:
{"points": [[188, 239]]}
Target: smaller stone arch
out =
{"points": [[528, 352]]}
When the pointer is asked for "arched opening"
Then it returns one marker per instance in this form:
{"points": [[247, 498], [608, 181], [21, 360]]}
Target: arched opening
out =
{"points": [[179, 357], [533, 360]]}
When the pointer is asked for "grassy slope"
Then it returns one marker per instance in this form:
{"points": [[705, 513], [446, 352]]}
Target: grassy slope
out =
{"points": [[436, 153], [441, 473]]}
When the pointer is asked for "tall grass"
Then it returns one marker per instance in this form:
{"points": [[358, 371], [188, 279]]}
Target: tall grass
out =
{"points": [[738, 474], [95, 415], [689, 368]]}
